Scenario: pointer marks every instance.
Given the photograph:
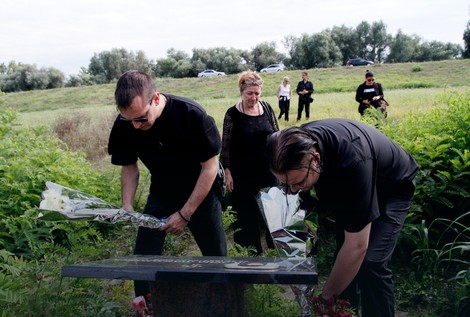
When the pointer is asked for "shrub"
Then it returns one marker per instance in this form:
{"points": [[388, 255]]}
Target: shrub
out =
{"points": [[81, 133]]}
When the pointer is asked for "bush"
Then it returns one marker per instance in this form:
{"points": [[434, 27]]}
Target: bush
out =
{"points": [[29, 158], [81, 133]]}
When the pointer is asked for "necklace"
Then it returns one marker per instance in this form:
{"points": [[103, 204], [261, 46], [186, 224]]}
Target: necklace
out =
{"points": [[243, 109]]}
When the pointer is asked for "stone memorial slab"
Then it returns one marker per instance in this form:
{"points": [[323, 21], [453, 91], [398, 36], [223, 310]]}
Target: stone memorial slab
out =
{"points": [[208, 286]]}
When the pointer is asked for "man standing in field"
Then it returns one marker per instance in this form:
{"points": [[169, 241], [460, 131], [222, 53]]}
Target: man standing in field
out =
{"points": [[178, 142], [304, 90]]}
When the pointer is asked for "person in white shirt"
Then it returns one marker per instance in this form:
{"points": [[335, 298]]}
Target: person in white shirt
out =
{"points": [[284, 93]]}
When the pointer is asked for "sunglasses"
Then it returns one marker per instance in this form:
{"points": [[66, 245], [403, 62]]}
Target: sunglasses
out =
{"points": [[140, 119], [258, 82], [370, 79]]}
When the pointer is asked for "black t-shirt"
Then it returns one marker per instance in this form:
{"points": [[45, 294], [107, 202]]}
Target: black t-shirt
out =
{"points": [[181, 139], [361, 168]]}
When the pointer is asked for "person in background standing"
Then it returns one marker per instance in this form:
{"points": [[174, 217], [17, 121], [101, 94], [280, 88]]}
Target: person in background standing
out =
{"points": [[179, 143], [284, 94], [304, 90], [369, 93], [245, 130]]}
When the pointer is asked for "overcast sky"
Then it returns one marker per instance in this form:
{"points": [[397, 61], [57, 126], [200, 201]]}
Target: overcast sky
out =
{"points": [[65, 34]]}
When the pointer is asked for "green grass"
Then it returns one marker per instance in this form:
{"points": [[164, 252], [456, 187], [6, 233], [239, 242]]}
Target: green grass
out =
{"points": [[407, 90]]}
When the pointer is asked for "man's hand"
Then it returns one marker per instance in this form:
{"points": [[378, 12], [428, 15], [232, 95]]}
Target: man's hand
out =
{"points": [[175, 224]]}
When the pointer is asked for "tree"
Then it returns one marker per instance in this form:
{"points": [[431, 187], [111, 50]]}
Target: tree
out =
{"points": [[403, 48], [317, 50], [264, 54], [347, 41], [437, 51], [110, 65], [466, 40], [24, 77], [373, 40], [177, 65], [379, 41], [228, 60]]}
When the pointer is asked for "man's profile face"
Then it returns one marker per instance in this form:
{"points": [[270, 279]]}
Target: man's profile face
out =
{"points": [[142, 113]]}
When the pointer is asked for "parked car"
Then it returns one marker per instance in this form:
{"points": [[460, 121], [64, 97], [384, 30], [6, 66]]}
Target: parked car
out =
{"points": [[273, 68], [209, 73], [358, 62]]}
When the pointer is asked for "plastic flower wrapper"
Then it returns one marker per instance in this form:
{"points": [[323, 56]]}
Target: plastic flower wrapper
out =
{"points": [[294, 234], [62, 203]]}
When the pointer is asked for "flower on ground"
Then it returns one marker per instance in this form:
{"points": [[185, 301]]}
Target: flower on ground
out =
{"points": [[143, 305], [331, 308]]}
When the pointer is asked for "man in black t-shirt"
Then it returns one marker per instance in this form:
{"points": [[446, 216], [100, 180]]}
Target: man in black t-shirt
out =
{"points": [[367, 181], [304, 90], [178, 142]]}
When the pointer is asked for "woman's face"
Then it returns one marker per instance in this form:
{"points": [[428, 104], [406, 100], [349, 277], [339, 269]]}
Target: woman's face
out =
{"points": [[251, 95], [370, 81]]}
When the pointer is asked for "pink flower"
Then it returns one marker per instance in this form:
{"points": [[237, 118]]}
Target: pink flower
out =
{"points": [[139, 303]]}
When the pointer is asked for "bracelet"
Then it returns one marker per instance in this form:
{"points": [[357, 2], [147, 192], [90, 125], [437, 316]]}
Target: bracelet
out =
{"points": [[181, 215]]}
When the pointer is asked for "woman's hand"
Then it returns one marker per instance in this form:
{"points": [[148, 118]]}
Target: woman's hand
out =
{"points": [[229, 180]]}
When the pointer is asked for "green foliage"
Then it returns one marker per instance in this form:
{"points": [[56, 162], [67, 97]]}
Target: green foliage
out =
{"points": [[417, 68], [440, 142], [267, 300], [24, 77], [440, 250]]}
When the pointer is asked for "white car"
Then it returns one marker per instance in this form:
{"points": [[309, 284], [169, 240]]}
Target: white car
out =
{"points": [[209, 73], [273, 68]]}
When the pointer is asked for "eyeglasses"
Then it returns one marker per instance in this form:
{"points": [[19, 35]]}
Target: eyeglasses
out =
{"points": [[140, 119], [300, 185], [258, 82]]}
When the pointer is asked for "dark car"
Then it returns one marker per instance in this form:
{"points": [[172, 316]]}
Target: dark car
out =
{"points": [[358, 62]]}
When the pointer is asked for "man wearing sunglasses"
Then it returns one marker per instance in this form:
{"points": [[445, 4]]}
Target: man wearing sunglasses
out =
{"points": [[178, 142], [367, 182], [369, 93]]}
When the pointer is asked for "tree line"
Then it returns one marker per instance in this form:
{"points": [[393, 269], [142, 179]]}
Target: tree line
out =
{"points": [[328, 48]]}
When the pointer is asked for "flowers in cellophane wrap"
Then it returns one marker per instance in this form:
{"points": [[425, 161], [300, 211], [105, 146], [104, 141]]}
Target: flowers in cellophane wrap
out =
{"points": [[293, 230], [62, 203], [143, 305]]}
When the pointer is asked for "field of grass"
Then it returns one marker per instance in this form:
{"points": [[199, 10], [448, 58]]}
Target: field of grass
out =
{"points": [[409, 88]]}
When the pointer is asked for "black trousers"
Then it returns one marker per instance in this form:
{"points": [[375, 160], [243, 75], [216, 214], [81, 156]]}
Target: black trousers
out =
{"points": [[206, 226], [372, 289], [303, 103], [250, 225], [284, 105]]}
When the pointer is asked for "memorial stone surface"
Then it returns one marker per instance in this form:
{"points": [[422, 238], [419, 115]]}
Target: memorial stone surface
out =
{"points": [[199, 286]]}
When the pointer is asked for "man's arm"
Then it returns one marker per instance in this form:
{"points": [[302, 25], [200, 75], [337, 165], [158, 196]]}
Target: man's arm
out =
{"points": [[310, 87], [129, 182], [347, 264], [176, 223]]}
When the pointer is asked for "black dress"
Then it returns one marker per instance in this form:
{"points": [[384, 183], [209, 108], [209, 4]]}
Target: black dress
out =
{"points": [[244, 152]]}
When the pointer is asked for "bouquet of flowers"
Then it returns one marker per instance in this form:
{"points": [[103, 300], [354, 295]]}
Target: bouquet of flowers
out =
{"points": [[333, 307], [62, 203], [293, 230]]}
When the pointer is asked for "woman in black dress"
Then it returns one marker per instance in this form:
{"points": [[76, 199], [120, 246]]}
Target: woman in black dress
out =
{"points": [[246, 127]]}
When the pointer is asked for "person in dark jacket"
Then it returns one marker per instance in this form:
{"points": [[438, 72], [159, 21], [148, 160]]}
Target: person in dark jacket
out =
{"points": [[369, 93], [304, 90]]}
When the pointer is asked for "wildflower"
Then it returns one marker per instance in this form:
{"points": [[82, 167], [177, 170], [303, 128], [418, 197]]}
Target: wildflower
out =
{"points": [[143, 305]]}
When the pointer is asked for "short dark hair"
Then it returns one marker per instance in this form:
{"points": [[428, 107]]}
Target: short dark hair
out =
{"points": [[287, 148], [131, 84]]}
